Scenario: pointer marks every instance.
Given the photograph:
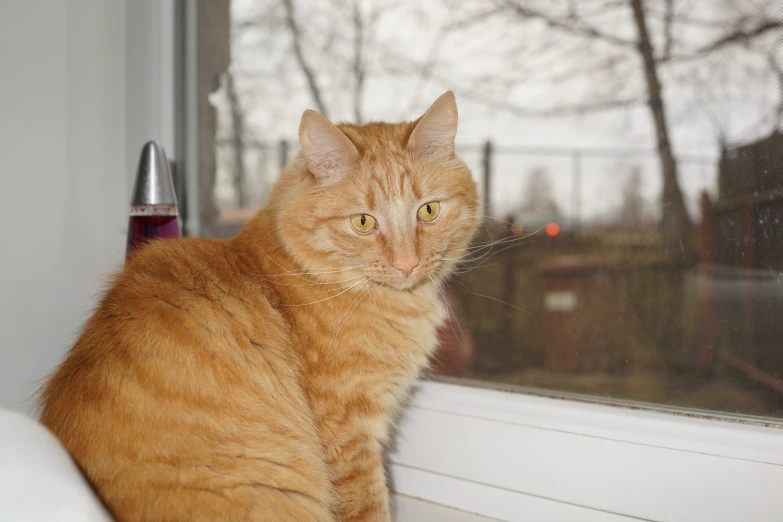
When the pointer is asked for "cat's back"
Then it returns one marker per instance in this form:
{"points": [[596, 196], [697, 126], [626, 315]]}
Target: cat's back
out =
{"points": [[190, 300], [185, 379]]}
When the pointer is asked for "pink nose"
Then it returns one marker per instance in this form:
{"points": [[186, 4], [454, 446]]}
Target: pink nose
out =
{"points": [[406, 266]]}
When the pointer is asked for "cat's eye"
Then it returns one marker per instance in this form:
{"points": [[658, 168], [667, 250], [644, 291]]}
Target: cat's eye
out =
{"points": [[363, 223], [429, 211]]}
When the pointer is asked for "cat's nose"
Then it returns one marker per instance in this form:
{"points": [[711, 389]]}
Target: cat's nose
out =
{"points": [[406, 265]]}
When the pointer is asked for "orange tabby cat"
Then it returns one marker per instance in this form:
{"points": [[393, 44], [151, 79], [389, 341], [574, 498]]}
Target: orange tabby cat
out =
{"points": [[256, 378]]}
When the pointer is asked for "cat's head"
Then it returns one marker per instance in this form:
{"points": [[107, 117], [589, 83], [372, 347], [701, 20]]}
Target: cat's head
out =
{"points": [[389, 202]]}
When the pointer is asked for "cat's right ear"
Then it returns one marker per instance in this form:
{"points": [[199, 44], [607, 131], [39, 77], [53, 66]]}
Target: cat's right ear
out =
{"points": [[328, 152], [433, 136]]}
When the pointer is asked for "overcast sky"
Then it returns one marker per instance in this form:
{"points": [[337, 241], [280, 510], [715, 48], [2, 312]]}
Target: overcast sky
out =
{"points": [[505, 61]]}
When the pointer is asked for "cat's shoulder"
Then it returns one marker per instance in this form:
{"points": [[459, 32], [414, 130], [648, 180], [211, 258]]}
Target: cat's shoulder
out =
{"points": [[172, 256], [207, 268], [184, 259]]}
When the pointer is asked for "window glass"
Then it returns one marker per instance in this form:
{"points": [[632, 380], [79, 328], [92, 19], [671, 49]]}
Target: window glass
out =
{"points": [[629, 154]]}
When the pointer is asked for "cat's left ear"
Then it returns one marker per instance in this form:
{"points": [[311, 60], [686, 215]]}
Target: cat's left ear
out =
{"points": [[328, 152], [433, 136]]}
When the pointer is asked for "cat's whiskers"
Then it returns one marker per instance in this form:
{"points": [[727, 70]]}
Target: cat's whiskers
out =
{"points": [[361, 293], [493, 242], [276, 263], [490, 244], [476, 256], [446, 275], [308, 271], [498, 219], [311, 283], [330, 297], [449, 311], [490, 254], [488, 296], [297, 275], [466, 269]]}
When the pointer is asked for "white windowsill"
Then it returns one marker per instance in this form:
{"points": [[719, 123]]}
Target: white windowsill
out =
{"points": [[512, 456], [409, 509]]}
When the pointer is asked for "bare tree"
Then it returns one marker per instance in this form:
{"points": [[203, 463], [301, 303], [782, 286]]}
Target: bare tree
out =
{"points": [[304, 65], [576, 57], [774, 58], [748, 71], [676, 223], [586, 40], [334, 65], [358, 60]]}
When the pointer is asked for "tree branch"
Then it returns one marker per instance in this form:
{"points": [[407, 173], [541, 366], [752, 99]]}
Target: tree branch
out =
{"points": [[474, 18], [358, 61], [575, 27], [668, 29], [578, 27], [777, 69], [312, 83], [426, 70], [480, 96], [740, 35]]}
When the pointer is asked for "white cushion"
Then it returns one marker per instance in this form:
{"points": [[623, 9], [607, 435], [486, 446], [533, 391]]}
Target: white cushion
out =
{"points": [[38, 478]]}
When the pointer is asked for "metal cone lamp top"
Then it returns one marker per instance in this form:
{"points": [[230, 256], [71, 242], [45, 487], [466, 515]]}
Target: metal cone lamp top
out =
{"points": [[153, 192], [153, 212]]}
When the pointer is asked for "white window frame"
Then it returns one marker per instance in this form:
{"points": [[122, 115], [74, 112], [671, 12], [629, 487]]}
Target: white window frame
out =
{"points": [[150, 78], [517, 456], [520, 456]]}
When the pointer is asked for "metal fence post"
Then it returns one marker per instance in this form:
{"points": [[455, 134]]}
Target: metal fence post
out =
{"points": [[283, 154], [576, 189], [486, 162]]}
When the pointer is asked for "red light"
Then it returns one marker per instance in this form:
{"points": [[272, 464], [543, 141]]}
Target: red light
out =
{"points": [[552, 229]]}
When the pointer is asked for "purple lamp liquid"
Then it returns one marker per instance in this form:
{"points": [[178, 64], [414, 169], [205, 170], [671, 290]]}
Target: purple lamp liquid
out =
{"points": [[149, 222]]}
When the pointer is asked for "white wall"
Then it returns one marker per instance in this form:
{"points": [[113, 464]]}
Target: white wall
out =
{"points": [[71, 87]]}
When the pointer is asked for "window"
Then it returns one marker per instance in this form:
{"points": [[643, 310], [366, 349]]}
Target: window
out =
{"points": [[630, 156]]}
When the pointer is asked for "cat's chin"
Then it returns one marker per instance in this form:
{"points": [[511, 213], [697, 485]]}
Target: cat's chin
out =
{"points": [[407, 284]]}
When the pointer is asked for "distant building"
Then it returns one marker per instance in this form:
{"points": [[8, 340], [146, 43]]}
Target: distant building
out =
{"points": [[749, 208], [751, 169], [742, 262]]}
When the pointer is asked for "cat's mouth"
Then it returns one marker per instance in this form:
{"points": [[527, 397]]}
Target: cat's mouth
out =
{"points": [[405, 283]]}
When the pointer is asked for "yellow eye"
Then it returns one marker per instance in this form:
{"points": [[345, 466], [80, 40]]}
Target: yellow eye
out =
{"points": [[429, 211], [363, 223]]}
